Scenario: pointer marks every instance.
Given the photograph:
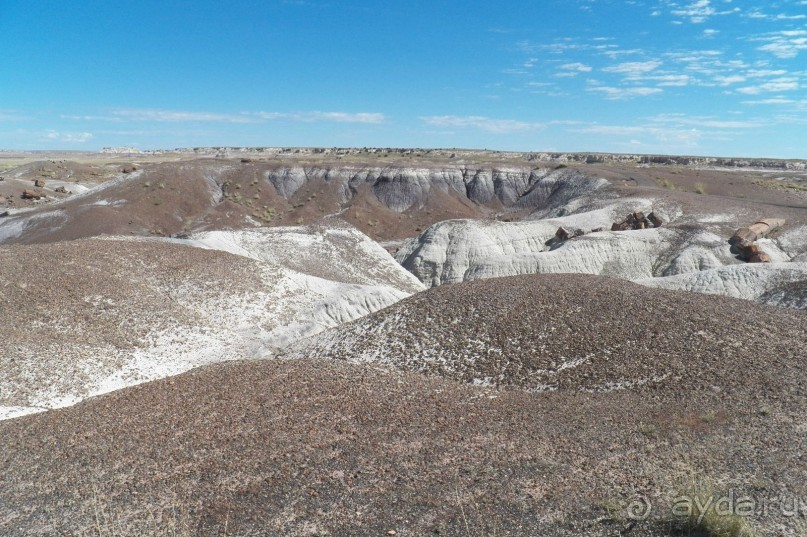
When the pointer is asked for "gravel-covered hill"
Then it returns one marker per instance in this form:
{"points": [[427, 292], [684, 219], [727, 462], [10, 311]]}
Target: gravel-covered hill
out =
{"points": [[571, 332], [315, 447]]}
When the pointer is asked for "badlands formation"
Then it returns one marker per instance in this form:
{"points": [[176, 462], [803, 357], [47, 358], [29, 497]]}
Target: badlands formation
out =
{"points": [[227, 341]]}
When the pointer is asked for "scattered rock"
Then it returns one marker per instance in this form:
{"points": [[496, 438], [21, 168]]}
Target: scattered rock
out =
{"points": [[246, 160], [637, 220], [32, 194], [758, 230], [743, 240], [39, 183], [562, 234], [129, 168], [62, 190], [4, 214]]}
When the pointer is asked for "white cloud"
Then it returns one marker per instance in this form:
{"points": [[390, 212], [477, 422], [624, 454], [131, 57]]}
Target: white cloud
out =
{"points": [[618, 94], [337, 117], [576, 66], [669, 138], [69, 137], [771, 101], [670, 80], [699, 11], [683, 120], [785, 44], [757, 14], [633, 69], [497, 126], [761, 73], [12, 116], [179, 116], [729, 80], [775, 85]]}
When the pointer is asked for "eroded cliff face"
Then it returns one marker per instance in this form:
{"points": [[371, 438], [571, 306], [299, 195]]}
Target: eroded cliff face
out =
{"points": [[403, 188]]}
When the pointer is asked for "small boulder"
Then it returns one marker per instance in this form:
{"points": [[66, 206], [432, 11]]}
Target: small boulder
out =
{"points": [[743, 235], [39, 183], [562, 234]]}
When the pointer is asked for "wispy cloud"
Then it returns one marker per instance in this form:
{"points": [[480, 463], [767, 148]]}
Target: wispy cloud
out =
{"points": [[633, 69], [496, 126], [667, 137], [180, 116], [699, 11], [773, 86], [12, 116], [576, 67], [771, 101], [336, 117], [683, 120], [618, 94], [785, 43], [68, 137]]}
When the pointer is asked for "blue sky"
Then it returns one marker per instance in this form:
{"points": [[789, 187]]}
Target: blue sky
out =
{"points": [[705, 77]]}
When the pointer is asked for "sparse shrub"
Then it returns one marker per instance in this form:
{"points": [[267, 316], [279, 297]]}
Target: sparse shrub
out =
{"points": [[647, 429], [781, 184], [700, 188], [701, 510]]}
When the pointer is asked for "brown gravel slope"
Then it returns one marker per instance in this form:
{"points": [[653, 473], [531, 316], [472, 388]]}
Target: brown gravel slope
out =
{"points": [[313, 447], [170, 198], [576, 331]]}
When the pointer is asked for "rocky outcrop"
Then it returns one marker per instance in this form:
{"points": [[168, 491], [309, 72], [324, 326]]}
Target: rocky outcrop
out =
{"points": [[766, 283], [679, 256], [459, 250]]}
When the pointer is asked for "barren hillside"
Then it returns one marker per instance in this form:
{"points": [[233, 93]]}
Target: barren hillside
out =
{"points": [[313, 446]]}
